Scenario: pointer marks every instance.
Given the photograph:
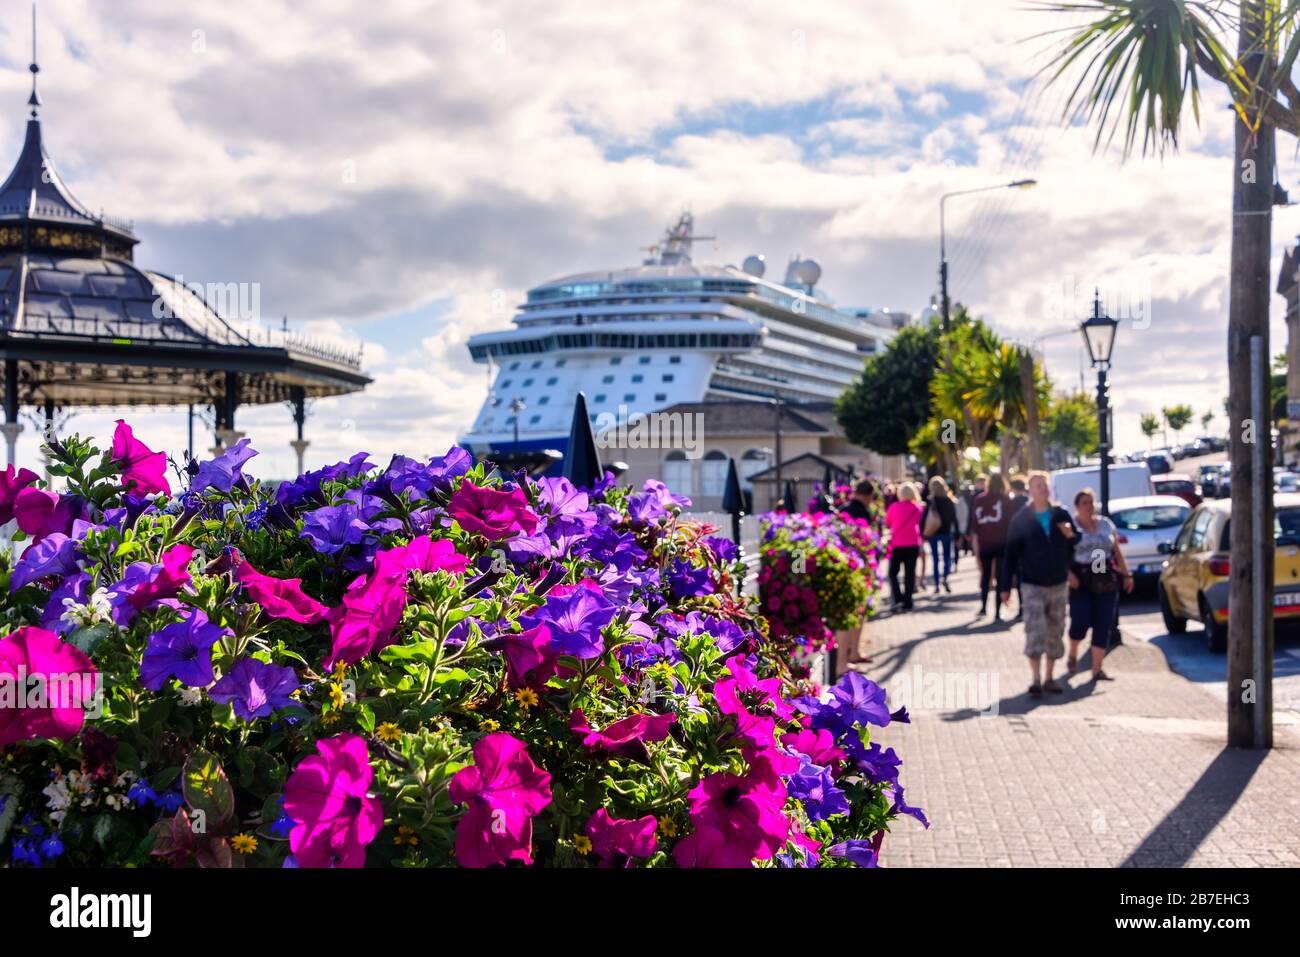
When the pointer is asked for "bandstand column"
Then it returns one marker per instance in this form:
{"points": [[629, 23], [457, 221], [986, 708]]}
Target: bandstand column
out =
{"points": [[12, 427], [299, 445], [226, 433], [47, 438]]}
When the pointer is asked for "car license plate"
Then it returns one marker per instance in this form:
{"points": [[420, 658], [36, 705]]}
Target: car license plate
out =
{"points": [[1286, 599]]}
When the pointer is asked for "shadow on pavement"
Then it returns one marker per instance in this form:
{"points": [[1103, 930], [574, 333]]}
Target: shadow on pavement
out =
{"points": [[1175, 839]]}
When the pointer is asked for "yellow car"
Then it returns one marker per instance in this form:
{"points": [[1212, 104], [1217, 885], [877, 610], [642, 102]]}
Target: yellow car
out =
{"points": [[1194, 582]]}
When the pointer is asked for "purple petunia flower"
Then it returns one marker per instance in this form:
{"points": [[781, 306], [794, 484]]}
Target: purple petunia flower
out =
{"points": [[333, 528], [222, 472], [724, 548], [575, 615], [860, 853], [74, 587], [688, 582], [183, 651], [814, 786], [255, 689], [55, 554]]}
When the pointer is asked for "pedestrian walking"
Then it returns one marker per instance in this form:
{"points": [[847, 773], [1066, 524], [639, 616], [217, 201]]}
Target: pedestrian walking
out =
{"points": [[940, 525], [991, 515], [1040, 549], [862, 501], [961, 503], [1097, 576], [904, 521]]}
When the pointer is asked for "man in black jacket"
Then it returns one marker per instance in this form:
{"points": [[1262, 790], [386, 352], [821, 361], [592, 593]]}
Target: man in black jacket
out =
{"points": [[1039, 549]]}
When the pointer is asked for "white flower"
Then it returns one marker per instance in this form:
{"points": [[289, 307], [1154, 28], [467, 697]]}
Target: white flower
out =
{"points": [[98, 609], [190, 697], [57, 798]]}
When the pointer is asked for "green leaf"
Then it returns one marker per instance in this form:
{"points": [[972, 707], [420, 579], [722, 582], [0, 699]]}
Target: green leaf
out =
{"points": [[207, 789], [87, 638], [165, 778], [422, 651]]}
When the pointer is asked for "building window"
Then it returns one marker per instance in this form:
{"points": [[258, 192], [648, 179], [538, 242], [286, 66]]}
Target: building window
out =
{"points": [[534, 420], [552, 380], [599, 397], [638, 378], [661, 396], [537, 364], [616, 360], [753, 462], [644, 360], [607, 379], [544, 400], [674, 360], [514, 366], [668, 377], [559, 363], [505, 383], [629, 397], [677, 473], [713, 473]]}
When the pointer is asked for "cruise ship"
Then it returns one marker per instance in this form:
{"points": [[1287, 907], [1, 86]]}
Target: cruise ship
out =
{"points": [[640, 339]]}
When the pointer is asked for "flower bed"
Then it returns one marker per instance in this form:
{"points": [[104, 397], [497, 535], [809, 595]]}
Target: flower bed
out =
{"points": [[818, 575], [416, 666]]}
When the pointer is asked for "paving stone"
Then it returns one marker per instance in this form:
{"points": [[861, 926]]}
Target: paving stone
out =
{"points": [[1133, 772]]}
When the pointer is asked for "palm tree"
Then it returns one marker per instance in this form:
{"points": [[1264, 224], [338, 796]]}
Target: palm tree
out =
{"points": [[1150, 426], [968, 346], [1138, 65], [997, 397]]}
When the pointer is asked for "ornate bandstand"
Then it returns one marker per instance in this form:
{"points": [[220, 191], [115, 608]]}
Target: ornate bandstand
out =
{"points": [[81, 325]]}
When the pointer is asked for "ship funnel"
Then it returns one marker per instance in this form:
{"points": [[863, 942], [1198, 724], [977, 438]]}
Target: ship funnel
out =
{"points": [[755, 266]]}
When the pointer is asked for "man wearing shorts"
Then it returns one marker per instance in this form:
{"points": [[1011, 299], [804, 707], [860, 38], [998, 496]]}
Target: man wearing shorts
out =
{"points": [[1039, 550]]}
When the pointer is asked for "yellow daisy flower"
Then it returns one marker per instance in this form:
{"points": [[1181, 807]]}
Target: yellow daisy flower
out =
{"points": [[582, 844], [526, 697], [388, 732], [244, 843], [489, 725]]}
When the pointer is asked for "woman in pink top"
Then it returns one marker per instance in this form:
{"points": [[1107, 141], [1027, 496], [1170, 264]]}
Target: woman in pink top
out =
{"points": [[904, 521]]}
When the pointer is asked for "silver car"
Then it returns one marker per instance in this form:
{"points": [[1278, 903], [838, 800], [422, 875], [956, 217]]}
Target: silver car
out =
{"points": [[1145, 522]]}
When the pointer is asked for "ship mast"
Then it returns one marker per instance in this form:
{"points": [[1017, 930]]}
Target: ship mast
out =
{"points": [[676, 245]]}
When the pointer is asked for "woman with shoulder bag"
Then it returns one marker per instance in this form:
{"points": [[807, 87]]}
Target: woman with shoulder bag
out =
{"points": [[938, 527], [1098, 573]]}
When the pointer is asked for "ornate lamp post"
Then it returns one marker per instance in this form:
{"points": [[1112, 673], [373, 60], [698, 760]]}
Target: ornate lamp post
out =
{"points": [[1099, 335]]}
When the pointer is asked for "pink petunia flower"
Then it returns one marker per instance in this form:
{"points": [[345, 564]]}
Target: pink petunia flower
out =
{"points": [[494, 514], [504, 790], [617, 841], [328, 799], [58, 681], [143, 471], [818, 746], [530, 658], [372, 605], [41, 513], [11, 483], [737, 819], [280, 597], [627, 736], [165, 580]]}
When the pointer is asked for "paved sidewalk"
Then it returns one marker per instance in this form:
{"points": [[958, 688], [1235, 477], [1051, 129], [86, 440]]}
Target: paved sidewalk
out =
{"points": [[1132, 772]]}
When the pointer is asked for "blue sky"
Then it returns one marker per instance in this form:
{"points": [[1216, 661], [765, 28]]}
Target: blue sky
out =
{"points": [[399, 174]]}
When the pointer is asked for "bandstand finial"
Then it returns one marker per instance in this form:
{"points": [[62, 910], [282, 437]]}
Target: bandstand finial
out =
{"points": [[34, 100]]}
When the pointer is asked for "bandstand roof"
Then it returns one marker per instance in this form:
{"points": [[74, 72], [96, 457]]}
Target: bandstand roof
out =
{"points": [[88, 327]]}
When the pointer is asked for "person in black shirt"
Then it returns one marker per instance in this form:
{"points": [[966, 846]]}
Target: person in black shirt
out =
{"points": [[942, 506], [864, 496], [1039, 549]]}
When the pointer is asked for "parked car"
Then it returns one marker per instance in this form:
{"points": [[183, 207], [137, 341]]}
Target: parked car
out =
{"points": [[1159, 462], [1194, 583], [1208, 478], [1287, 482], [1126, 481], [1176, 483], [1144, 523]]}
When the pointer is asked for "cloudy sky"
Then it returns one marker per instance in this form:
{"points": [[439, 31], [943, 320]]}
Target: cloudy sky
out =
{"points": [[398, 173]]}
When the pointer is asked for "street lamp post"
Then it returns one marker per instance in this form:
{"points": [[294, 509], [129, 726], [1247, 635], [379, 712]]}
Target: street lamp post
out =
{"points": [[517, 405], [1099, 335], [943, 244]]}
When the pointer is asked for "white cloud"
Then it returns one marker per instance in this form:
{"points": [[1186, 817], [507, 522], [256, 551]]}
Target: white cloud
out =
{"points": [[362, 161]]}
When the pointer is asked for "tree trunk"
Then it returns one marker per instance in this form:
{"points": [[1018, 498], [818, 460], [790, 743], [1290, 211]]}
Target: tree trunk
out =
{"points": [[1252, 205], [1033, 435]]}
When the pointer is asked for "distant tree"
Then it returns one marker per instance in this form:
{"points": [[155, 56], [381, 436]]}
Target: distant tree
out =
{"points": [[1150, 426], [1178, 417], [1206, 419], [1071, 424], [890, 402]]}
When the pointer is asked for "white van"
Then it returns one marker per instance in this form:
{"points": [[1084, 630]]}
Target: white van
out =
{"points": [[1127, 480]]}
